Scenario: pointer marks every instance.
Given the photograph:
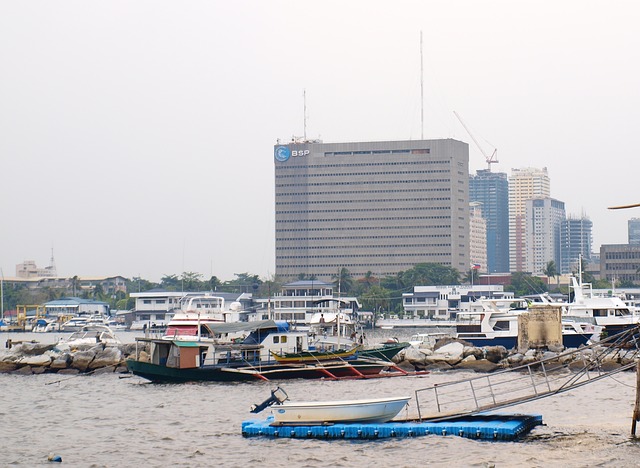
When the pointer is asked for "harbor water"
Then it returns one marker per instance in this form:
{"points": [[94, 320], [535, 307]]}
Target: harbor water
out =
{"points": [[113, 420]]}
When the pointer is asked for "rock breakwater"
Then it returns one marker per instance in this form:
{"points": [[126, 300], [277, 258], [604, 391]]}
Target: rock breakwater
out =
{"points": [[34, 358], [452, 354]]}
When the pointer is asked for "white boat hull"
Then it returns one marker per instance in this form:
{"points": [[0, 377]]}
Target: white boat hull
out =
{"points": [[317, 412]]}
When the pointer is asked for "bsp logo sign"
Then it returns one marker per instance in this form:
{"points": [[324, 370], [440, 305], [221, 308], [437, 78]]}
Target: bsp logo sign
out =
{"points": [[283, 153]]}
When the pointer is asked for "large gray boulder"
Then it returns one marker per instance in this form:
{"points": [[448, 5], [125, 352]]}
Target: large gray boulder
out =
{"points": [[62, 361], [478, 365], [43, 360], [496, 354], [82, 359], [109, 356], [32, 349]]}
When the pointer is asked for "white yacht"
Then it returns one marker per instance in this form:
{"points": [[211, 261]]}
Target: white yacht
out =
{"points": [[195, 311], [610, 312]]}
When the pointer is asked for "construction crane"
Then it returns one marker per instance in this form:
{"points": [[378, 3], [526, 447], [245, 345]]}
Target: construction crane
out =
{"points": [[490, 159]]}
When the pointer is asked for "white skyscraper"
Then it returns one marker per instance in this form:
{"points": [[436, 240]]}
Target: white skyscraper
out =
{"points": [[524, 184]]}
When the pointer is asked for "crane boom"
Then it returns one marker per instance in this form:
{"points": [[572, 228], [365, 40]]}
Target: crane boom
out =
{"points": [[490, 159]]}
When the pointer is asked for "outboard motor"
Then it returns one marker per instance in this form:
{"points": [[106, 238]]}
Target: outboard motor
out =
{"points": [[277, 396]]}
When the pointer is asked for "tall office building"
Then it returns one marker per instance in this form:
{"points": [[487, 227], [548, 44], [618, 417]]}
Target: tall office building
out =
{"points": [[492, 190], [524, 184], [634, 230], [379, 207], [477, 237], [543, 224], [576, 240]]}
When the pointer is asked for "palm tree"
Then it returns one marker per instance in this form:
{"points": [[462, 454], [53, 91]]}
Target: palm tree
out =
{"points": [[550, 271], [343, 280]]}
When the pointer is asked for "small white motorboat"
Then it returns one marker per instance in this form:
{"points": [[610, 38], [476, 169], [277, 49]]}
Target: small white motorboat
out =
{"points": [[373, 410], [90, 335]]}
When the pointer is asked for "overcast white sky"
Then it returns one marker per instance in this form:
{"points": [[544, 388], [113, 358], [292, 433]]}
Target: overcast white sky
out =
{"points": [[136, 137]]}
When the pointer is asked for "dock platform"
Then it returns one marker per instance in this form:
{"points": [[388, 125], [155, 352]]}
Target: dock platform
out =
{"points": [[503, 427]]}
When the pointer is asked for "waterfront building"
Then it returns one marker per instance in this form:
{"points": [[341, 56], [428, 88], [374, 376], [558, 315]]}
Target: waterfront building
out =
{"points": [[492, 190], [72, 306], [524, 184], [379, 207], [634, 230], [575, 242], [477, 237], [543, 223], [620, 262], [157, 306], [443, 302], [299, 300]]}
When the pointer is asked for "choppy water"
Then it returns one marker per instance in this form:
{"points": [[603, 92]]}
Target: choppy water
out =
{"points": [[106, 420]]}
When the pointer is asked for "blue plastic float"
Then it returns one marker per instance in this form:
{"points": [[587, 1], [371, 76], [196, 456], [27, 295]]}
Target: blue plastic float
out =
{"points": [[483, 426]]}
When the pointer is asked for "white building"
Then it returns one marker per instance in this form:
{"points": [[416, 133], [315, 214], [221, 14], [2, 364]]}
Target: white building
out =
{"points": [[524, 184], [443, 302], [477, 236], [300, 300], [543, 221]]}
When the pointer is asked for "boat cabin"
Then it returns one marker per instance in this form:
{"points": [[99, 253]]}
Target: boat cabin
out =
{"points": [[226, 344]]}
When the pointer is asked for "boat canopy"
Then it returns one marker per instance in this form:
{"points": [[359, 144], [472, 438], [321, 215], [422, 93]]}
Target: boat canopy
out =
{"points": [[236, 327]]}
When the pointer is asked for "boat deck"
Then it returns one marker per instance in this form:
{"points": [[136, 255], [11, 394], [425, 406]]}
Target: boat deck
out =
{"points": [[503, 427]]}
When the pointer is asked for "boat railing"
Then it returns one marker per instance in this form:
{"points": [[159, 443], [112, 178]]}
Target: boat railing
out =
{"points": [[528, 382]]}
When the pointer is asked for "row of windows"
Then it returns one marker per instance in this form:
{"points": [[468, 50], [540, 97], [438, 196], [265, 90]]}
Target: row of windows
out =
{"points": [[342, 220], [352, 266], [351, 174], [356, 247], [339, 238], [360, 210], [412, 255], [372, 200], [365, 182], [621, 255], [353, 192], [621, 266], [396, 151], [363, 164], [364, 228]]}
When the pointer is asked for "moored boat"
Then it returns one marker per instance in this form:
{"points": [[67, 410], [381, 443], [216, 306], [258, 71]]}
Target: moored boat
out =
{"points": [[372, 410], [314, 356], [227, 353]]}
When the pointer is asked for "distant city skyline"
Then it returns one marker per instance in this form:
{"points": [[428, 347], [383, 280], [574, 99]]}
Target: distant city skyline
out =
{"points": [[138, 141]]}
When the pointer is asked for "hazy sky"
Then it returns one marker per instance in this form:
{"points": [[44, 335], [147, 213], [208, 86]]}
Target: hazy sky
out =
{"points": [[136, 137]]}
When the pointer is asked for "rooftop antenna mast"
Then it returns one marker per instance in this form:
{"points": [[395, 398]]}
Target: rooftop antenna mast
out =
{"points": [[304, 116], [421, 92]]}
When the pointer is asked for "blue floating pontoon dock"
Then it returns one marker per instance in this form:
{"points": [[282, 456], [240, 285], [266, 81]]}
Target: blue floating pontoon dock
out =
{"points": [[483, 426]]}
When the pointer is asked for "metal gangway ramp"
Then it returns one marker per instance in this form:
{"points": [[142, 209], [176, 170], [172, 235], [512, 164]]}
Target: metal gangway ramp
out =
{"points": [[535, 380]]}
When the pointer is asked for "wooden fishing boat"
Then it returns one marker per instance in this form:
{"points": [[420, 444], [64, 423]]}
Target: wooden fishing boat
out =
{"points": [[315, 356]]}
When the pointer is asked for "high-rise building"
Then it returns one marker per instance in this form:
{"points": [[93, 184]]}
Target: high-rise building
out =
{"points": [[492, 190], [477, 237], [379, 207], [524, 184], [543, 224], [575, 242], [634, 230]]}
